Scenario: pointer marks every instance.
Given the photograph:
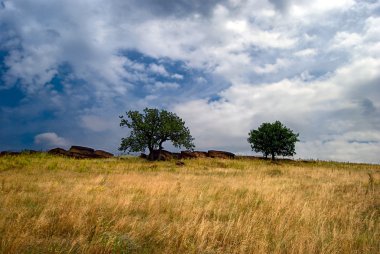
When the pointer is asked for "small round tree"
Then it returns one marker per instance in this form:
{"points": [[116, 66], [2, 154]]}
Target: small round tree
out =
{"points": [[151, 128], [273, 139]]}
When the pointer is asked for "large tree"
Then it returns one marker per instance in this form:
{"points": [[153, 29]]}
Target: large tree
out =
{"points": [[151, 128], [273, 139]]}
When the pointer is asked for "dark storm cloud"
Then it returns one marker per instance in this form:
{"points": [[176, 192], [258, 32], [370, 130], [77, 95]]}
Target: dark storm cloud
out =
{"points": [[281, 5], [367, 106], [179, 7]]}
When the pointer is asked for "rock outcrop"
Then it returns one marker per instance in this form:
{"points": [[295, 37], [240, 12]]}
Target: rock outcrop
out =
{"points": [[193, 155], [59, 151], [81, 152], [164, 156], [103, 154], [220, 154]]}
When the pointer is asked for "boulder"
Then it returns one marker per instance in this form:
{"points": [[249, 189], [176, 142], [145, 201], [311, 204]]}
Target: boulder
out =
{"points": [[193, 155], [82, 152], [165, 155], [103, 154], [220, 154], [59, 151]]}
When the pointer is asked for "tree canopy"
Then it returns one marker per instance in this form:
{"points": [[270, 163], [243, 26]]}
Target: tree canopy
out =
{"points": [[151, 128], [273, 139]]}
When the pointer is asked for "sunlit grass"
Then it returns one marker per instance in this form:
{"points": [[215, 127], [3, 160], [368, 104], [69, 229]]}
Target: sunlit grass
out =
{"points": [[61, 205]]}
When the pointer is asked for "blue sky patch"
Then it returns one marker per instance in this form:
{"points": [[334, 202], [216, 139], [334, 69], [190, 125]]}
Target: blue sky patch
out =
{"points": [[11, 97]]}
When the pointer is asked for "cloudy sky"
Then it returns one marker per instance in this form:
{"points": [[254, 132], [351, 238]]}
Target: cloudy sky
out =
{"points": [[69, 68]]}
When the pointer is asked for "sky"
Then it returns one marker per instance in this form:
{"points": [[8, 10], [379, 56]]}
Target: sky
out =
{"points": [[69, 69]]}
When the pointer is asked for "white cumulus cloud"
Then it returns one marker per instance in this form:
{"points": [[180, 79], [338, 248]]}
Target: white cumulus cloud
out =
{"points": [[50, 139]]}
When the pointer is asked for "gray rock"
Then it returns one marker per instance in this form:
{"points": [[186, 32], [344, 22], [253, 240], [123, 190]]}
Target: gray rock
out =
{"points": [[220, 154]]}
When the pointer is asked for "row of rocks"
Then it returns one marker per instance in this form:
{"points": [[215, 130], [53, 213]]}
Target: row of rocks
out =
{"points": [[166, 155], [81, 152], [4, 153]]}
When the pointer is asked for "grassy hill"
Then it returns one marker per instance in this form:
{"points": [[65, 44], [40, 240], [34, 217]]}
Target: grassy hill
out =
{"points": [[61, 205]]}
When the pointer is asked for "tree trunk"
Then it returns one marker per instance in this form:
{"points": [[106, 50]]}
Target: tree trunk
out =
{"points": [[151, 154], [159, 150], [159, 154], [273, 157]]}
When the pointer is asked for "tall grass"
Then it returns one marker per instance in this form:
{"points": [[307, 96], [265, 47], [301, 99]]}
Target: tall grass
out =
{"points": [[60, 205]]}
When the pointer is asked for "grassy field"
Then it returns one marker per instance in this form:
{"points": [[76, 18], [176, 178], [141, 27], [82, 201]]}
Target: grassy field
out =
{"points": [[60, 205]]}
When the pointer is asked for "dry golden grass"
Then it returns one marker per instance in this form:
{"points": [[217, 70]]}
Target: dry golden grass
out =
{"points": [[59, 205]]}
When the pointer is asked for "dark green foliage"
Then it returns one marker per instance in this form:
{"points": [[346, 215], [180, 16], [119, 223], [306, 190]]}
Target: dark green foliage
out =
{"points": [[151, 128], [273, 139]]}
